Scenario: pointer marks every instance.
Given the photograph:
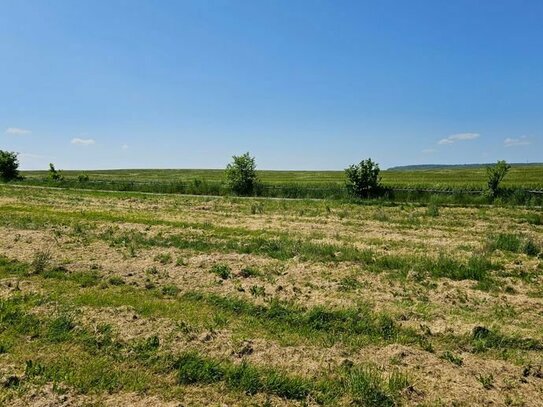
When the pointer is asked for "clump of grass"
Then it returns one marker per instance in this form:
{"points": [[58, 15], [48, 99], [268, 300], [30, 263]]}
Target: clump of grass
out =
{"points": [[257, 208], [195, 369], [356, 321], [147, 348], [506, 241], [487, 380], [349, 283], [483, 339], [116, 280], [180, 261], [514, 243], [257, 291], [371, 388], [152, 270], [451, 357], [60, 328], [533, 218], [222, 270], [41, 261], [163, 258], [530, 248], [248, 272], [170, 290], [432, 210]]}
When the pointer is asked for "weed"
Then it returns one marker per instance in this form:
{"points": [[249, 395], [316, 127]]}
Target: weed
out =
{"points": [[257, 291], [222, 270], [163, 258], [257, 208], [170, 290], [41, 261], [60, 328], [248, 272], [455, 360], [487, 380], [349, 283], [432, 210], [180, 261], [116, 280]]}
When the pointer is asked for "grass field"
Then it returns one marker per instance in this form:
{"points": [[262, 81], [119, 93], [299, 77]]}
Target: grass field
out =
{"points": [[468, 178], [133, 299]]}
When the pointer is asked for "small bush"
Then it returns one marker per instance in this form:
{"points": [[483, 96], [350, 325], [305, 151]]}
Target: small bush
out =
{"points": [[363, 179], [82, 178], [54, 174], [495, 175], [241, 175]]}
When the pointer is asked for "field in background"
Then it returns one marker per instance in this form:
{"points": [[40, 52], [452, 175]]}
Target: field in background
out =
{"points": [[526, 177], [134, 299]]}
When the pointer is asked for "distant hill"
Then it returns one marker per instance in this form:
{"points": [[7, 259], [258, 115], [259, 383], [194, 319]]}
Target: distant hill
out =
{"points": [[422, 167]]}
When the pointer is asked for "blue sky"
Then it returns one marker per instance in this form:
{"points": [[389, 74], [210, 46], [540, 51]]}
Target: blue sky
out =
{"points": [[300, 84]]}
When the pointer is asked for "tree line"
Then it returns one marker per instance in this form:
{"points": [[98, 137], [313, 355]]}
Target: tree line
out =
{"points": [[362, 180]]}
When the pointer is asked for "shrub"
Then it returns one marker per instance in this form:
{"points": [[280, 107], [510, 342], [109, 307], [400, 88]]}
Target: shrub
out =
{"points": [[83, 178], [54, 174], [495, 175], [363, 179], [9, 166], [241, 174]]}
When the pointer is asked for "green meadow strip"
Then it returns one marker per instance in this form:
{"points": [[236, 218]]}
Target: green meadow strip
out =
{"points": [[96, 362]]}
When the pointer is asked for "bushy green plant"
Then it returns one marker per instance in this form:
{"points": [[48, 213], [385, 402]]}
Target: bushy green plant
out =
{"points": [[222, 270], [54, 174], [241, 175], [363, 179], [9, 166], [495, 176]]}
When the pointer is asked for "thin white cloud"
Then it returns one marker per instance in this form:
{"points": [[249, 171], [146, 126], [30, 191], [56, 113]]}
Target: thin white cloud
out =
{"points": [[428, 151], [515, 142], [458, 137], [16, 131], [83, 141], [124, 147]]}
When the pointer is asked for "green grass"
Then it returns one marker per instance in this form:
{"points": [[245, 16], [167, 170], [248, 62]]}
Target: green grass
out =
{"points": [[470, 178], [309, 184]]}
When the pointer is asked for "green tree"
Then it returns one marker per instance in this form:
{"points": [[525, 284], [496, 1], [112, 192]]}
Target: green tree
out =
{"points": [[9, 166], [495, 175], [363, 179], [241, 174], [54, 174]]}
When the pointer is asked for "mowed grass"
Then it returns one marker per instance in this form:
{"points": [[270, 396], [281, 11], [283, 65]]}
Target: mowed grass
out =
{"points": [[291, 303]]}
